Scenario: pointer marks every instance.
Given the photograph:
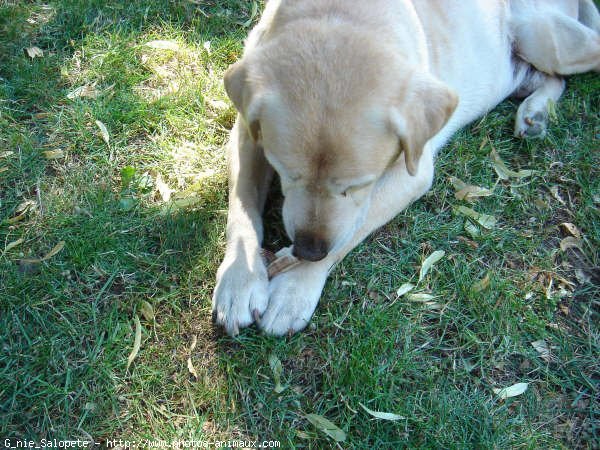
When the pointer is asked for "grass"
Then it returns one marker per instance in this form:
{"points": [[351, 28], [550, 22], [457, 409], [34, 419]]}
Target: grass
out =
{"points": [[67, 323]]}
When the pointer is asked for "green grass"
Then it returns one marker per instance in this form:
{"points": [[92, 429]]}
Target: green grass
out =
{"points": [[67, 323]]}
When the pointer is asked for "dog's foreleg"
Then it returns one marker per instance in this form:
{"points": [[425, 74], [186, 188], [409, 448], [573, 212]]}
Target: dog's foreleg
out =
{"points": [[294, 294], [241, 291]]}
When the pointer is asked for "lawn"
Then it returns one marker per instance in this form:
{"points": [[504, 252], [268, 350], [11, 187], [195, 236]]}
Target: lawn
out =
{"points": [[113, 119]]}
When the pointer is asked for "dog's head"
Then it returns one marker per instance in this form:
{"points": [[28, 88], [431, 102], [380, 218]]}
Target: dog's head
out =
{"points": [[332, 116]]}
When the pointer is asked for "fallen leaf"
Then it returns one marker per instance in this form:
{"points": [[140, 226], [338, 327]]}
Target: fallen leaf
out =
{"points": [[3, 169], [484, 220], [472, 229], [85, 91], [327, 427], [468, 192], [253, 13], [6, 154], [57, 248], [481, 284], [137, 342], [571, 229], [34, 52], [217, 104], [277, 370], [556, 194], [511, 391], [570, 242], [147, 310], [382, 415], [404, 289], [502, 169], [191, 368], [163, 188], [54, 154], [163, 45], [12, 245], [103, 131], [429, 262], [421, 297], [194, 343], [542, 348]]}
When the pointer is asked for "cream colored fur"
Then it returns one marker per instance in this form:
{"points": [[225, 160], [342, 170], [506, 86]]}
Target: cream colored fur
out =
{"points": [[349, 101]]}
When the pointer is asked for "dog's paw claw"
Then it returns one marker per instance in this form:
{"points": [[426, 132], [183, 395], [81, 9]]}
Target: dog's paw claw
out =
{"points": [[531, 126]]}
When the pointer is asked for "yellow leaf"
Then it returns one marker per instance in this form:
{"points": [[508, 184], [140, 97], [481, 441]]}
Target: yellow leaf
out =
{"points": [[13, 244], [468, 192], [57, 248], [54, 154], [137, 342]]}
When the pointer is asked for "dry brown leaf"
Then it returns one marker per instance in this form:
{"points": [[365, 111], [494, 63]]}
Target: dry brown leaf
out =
{"points": [[3, 169], [57, 248], [571, 229], [468, 192], [542, 348], [570, 242], [504, 173]]}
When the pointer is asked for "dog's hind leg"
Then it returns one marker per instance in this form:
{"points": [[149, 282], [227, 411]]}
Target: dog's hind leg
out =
{"points": [[532, 116], [589, 15], [555, 43]]}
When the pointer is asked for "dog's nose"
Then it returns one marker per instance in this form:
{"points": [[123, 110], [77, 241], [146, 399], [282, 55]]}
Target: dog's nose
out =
{"points": [[309, 246]]}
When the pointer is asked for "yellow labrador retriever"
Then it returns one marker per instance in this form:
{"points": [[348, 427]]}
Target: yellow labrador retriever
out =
{"points": [[349, 101]]}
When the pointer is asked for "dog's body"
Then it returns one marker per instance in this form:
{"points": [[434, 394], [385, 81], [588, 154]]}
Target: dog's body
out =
{"points": [[350, 101]]}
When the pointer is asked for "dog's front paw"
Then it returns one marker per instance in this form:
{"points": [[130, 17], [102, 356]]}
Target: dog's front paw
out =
{"points": [[530, 123], [293, 297], [241, 294]]}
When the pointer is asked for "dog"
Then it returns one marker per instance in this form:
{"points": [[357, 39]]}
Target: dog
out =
{"points": [[349, 102]]}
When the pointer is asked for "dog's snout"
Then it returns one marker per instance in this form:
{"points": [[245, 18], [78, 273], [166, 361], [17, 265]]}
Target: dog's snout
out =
{"points": [[309, 246]]}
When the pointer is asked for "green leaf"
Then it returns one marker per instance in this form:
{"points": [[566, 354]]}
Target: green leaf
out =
{"points": [[137, 342], [326, 427], [484, 220], [277, 370], [127, 174]]}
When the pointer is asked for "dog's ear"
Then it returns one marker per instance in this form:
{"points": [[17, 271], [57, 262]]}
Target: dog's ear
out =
{"points": [[425, 109], [240, 91]]}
